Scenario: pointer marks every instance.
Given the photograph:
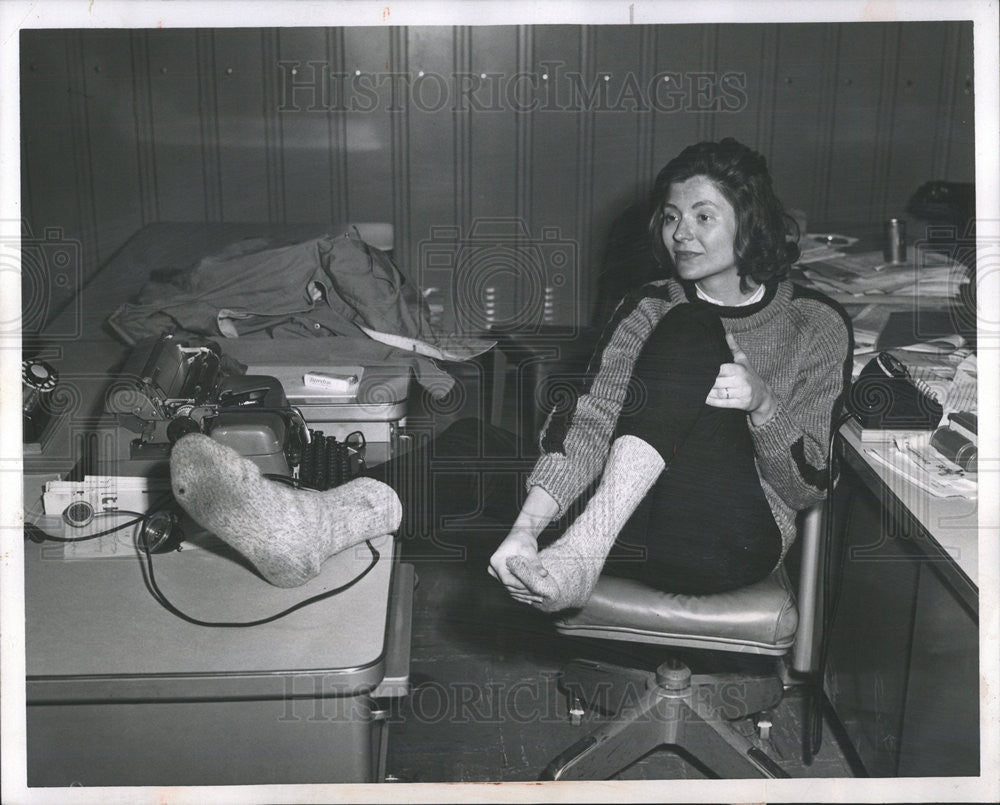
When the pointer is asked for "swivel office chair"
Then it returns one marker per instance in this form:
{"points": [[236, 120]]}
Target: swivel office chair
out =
{"points": [[672, 706]]}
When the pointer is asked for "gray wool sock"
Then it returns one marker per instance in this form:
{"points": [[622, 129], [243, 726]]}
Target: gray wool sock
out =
{"points": [[286, 533], [572, 564]]}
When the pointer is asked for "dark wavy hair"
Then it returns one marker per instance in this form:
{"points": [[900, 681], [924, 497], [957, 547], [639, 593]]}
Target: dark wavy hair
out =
{"points": [[766, 237]]}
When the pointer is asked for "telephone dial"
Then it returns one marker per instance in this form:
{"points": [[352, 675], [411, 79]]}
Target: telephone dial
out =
{"points": [[886, 397]]}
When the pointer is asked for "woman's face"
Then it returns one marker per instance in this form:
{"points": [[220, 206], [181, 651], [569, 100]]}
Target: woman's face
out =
{"points": [[699, 229]]}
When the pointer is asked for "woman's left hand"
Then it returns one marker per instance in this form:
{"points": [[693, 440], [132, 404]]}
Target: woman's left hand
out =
{"points": [[739, 386]]}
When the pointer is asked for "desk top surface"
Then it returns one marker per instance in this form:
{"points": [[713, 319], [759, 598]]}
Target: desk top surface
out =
{"points": [[951, 523], [96, 618]]}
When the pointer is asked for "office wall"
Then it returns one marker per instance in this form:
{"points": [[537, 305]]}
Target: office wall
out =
{"points": [[556, 127]]}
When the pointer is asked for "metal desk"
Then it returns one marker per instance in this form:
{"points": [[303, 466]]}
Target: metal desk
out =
{"points": [[903, 674], [121, 692]]}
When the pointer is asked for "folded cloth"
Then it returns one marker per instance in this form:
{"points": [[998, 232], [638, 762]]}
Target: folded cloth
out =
{"points": [[337, 282]]}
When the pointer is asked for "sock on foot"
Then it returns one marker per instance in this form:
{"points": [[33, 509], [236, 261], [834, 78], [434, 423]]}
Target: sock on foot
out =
{"points": [[286, 533], [571, 565]]}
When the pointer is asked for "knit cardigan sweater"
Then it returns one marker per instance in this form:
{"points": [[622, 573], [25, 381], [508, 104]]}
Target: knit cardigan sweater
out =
{"points": [[799, 342]]}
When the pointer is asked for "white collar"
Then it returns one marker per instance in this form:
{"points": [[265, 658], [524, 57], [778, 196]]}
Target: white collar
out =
{"points": [[756, 296]]}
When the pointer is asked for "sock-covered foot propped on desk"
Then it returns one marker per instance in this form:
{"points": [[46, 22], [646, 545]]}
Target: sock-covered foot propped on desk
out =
{"points": [[286, 533]]}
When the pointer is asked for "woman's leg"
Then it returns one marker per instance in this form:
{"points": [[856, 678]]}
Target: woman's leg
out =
{"points": [[670, 381], [705, 525]]}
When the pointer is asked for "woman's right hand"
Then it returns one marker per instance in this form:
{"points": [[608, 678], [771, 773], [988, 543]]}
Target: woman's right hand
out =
{"points": [[518, 542], [537, 512]]}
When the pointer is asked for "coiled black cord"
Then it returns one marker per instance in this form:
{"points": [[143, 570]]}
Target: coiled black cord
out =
{"points": [[144, 551], [35, 534], [165, 602]]}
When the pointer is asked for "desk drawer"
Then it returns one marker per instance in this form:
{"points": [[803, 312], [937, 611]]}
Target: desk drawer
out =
{"points": [[202, 743]]}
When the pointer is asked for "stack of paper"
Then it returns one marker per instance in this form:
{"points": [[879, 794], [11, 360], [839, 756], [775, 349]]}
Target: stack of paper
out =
{"points": [[867, 274], [816, 253]]}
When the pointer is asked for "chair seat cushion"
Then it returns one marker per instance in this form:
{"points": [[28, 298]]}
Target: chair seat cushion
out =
{"points": [[761, 618]]}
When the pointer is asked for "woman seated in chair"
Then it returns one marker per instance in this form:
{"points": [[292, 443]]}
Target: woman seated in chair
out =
{"points": [[707, 409], [705, 417]]}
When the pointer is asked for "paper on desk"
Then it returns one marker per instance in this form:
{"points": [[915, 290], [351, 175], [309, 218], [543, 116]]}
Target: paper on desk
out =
{"points": [[961, 394], [867, 274], [937, 369], [826, 287], [945, 345], [954, 389], [920, 464], [832, 274], [120, 544], [816, 253]]}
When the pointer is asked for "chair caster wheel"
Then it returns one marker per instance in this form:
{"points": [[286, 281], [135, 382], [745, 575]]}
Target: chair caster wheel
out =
{"points": [[764, 723]]}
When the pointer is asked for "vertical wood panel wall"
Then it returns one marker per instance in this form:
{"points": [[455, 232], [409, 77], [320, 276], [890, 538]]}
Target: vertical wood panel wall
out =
{"points": [[549, 128]]}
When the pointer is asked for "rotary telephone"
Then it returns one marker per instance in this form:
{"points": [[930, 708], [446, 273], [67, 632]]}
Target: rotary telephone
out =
{"points": [[886, 397], [38, 384]]}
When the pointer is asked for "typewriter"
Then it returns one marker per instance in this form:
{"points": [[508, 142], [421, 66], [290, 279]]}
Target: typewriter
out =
{"points": [[168, 388]]}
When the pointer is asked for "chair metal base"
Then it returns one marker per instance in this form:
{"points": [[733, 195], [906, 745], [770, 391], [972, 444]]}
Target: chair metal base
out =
{"points": [[671, 707]]}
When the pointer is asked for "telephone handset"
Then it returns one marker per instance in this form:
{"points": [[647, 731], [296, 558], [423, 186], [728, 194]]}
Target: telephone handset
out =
{"points": [[886, 397], [38, 382]]}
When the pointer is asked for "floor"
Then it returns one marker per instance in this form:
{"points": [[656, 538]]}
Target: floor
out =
{"points": [[485, 706]]}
